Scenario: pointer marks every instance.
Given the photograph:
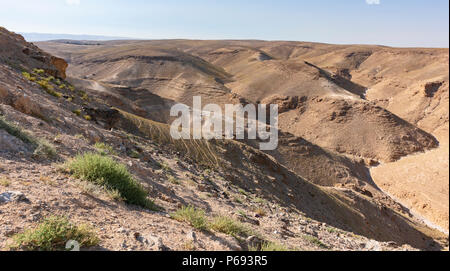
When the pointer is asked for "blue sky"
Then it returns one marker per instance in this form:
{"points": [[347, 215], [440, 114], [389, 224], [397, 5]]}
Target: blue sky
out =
{"points": [[407, 23]]}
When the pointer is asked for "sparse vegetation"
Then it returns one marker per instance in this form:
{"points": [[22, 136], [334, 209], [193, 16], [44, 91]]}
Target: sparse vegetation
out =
{"points": [[243, 192], [315, 241], [38, 71], [79, 136], [195, 217], [44, 149], [270, 246], [259, 200], [29, 77], [45, 85], [204, 152], [242, 213], [104, 171], [15, 131], [260, 211], [49, 88], [173, 180], [98, 191], [77, 112], [52, 234], [238, 200], [229, 226], [165, 167], [47, 180], [134, 154], [87, 117], [104, 148], [188, 246], [41, 147], [332, 230], [4, 182]]}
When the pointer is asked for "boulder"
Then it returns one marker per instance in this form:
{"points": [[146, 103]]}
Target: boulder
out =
{"points": [[12, 196]]}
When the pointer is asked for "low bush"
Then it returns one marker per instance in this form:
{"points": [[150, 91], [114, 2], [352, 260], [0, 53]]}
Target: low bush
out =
{"points": [[104, 171], [52, 234], [104, 148], [195, 217], [229, 226]]}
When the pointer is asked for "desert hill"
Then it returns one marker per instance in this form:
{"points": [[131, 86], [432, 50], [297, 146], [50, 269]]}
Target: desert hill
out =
{"points": [[373, 104], [305, 195]]}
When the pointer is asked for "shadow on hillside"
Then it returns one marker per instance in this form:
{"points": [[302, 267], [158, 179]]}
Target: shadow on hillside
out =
{"points": [[341, 81], [255, 171], [345, 210]]}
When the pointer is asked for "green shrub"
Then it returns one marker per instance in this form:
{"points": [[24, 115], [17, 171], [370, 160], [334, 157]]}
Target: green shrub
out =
{"points": [[4, 182], [50, 79], [195, 217], [77, 112], [85, 97], [49, 88], [28, 76], [315, 241], [134, 154], [229, 226], [104, 148], [44, 149], [52, 234], [104, 171], [38, 71], [45, 85]]}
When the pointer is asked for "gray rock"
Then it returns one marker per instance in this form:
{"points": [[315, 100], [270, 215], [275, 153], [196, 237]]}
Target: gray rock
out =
{"points": [[311, 231], [254, 242], [373, 245], [153, 242], [14, 196], [191, 236], [122, 230]]}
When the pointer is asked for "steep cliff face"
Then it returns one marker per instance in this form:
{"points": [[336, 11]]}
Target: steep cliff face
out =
{"points": [[19, 54]]}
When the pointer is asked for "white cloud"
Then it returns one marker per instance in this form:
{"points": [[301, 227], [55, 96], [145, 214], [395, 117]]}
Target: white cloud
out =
{"points": [[373, 2], [73, 2]]}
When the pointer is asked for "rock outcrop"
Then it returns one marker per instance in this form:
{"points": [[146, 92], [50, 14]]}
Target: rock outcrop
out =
{"points": [[19, 54]]}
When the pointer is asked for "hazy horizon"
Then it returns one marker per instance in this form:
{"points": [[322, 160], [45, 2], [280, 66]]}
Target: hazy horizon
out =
{"points": [[86, 37], [402, 23]]}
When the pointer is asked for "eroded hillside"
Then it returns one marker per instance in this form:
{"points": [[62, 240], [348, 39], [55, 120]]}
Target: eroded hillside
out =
{"points": [[371, 104], [312, 193]]}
